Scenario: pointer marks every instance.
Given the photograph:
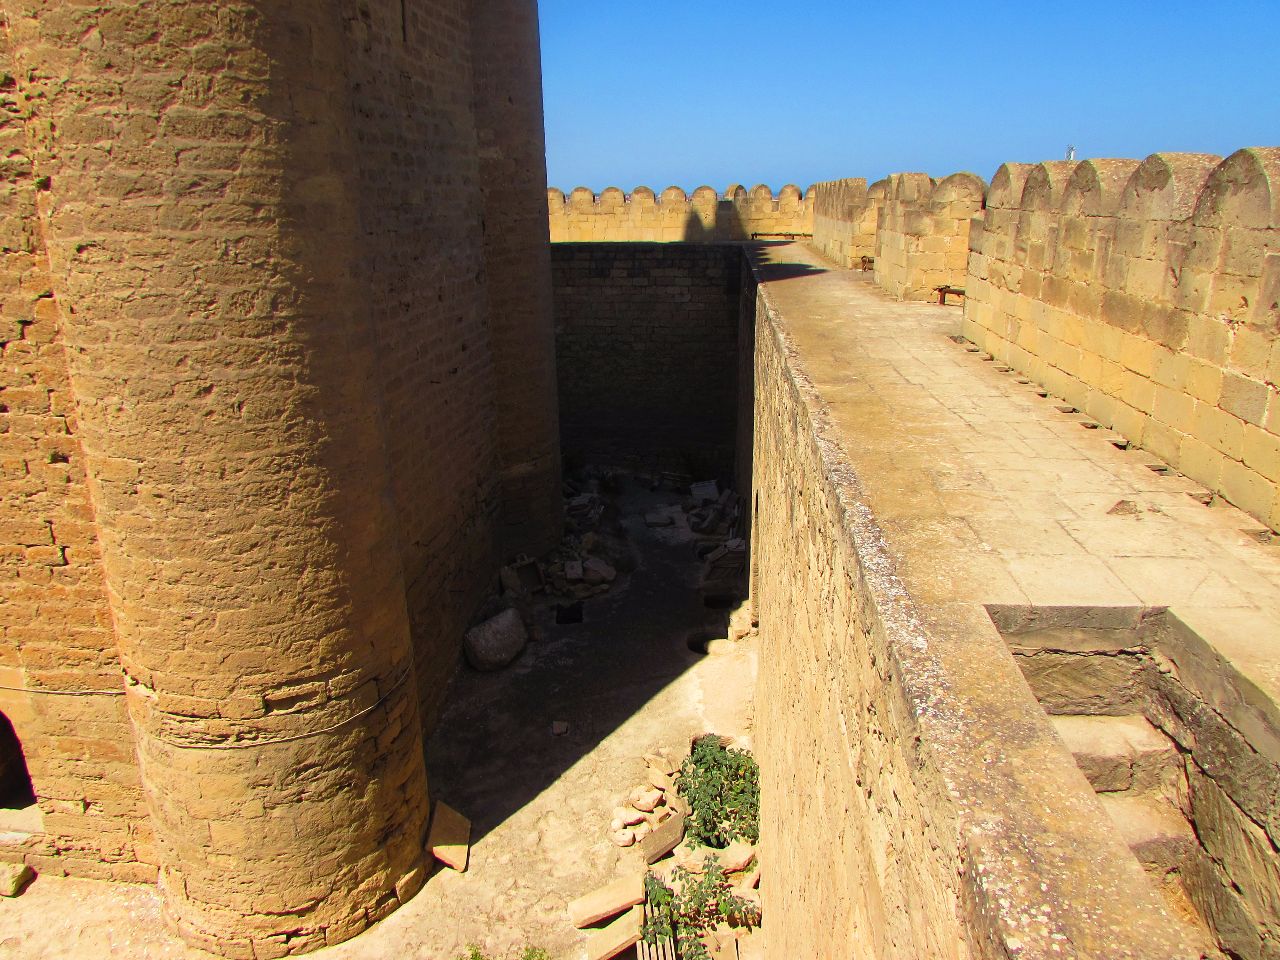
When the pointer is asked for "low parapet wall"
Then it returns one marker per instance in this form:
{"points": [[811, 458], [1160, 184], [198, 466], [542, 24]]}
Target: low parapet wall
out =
{"points": [[674, 216], [1148, 295], [916, 228], [916, 801]]}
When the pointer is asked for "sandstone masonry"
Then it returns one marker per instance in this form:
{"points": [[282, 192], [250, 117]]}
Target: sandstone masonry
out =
{"points": [[253, 417]]}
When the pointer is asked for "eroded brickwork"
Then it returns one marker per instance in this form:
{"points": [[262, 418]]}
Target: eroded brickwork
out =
{"points": [[55, 628], [262, 484], [647, 345]]}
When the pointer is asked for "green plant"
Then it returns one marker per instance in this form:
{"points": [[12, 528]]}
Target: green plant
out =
{"points": [[530, 953], [693, 906], [723, 790]]}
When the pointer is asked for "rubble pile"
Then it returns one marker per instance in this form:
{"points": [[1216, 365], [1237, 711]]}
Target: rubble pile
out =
{"points": [[652, 822]]}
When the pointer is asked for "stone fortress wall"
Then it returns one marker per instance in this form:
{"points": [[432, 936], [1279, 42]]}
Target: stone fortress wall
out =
{"points": [[647, 354], [674, 216], [1145, 293], [268, 444]]}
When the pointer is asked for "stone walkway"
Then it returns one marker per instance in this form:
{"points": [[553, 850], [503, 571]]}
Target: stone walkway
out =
{"points": [[989, 493], [625, 682]]}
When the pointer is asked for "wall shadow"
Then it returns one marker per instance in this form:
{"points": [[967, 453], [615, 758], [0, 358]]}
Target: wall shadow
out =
{"points": [[726, 224]]}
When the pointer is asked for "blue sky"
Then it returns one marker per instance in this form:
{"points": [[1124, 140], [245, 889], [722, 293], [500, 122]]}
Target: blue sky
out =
{"points": [[694, 92]]}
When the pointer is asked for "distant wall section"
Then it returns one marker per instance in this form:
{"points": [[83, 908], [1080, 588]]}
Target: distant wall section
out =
{"points": [[673, 216], [647, 354], [845, 215]]}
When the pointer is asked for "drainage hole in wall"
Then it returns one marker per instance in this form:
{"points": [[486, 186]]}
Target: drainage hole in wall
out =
{"points": [[956, 338], [1160, 468], [1065, 408], [1089, 425]]}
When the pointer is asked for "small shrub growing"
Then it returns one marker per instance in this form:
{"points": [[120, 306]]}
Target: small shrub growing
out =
{"points": [[723, 789], [702, 903]]}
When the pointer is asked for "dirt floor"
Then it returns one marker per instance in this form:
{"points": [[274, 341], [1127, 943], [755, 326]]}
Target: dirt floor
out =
{"points": [[623, 680]]}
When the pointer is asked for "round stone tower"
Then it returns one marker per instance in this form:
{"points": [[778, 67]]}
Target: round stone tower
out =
{"points": [[192, 158]]}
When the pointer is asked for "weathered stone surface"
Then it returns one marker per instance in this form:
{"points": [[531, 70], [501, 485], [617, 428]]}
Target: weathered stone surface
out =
{"points": [[1241, 848], [450, 837], [493, 644], [617, 936], [663, 839], [13, 878], [1097, 683], [646, 800], [1119, 753], [736, 856], [607, 901]]}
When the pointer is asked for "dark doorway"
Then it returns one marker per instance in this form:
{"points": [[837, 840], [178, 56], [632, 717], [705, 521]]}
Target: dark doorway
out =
{"points": [[16, 791]]}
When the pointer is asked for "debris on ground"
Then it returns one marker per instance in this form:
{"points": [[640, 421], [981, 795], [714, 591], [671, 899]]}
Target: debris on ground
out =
{"points": [[449, 838], [620, 935], [496, 642], [607, 901], [697, 900], [14, 878]]}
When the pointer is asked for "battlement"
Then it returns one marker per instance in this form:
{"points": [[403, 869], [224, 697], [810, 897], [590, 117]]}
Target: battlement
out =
{"points": [[674, 215]]}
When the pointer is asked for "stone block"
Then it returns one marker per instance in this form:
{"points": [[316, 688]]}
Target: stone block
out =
{"points": [[496, 642], [1243, 397], [618, 936], [14, 878], [449, 838], [663, 839], [607, 901], [1239, 845]]}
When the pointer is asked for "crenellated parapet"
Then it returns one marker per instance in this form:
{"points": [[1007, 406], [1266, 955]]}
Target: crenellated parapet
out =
{"points": [[922, 236], [674, 216], [1148, 295]]}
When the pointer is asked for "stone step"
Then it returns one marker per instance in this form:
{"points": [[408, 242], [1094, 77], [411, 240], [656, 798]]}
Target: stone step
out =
{"points": [[1155, 830], [1120, 754]]}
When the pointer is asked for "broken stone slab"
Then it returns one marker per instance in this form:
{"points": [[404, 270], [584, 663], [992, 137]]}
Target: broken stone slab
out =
{"points": [[646, 800], [496, 642], [449, 838], [736, 856], [658, 780], [659, 518], [708, 491], [596, 571], [664, 838], [14, 877], [628, 815], [620, 935], [607, 901], [660, 763]]}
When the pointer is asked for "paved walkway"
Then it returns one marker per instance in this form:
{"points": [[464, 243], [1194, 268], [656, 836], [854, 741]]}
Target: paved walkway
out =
{"points": [[991, 493]]}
